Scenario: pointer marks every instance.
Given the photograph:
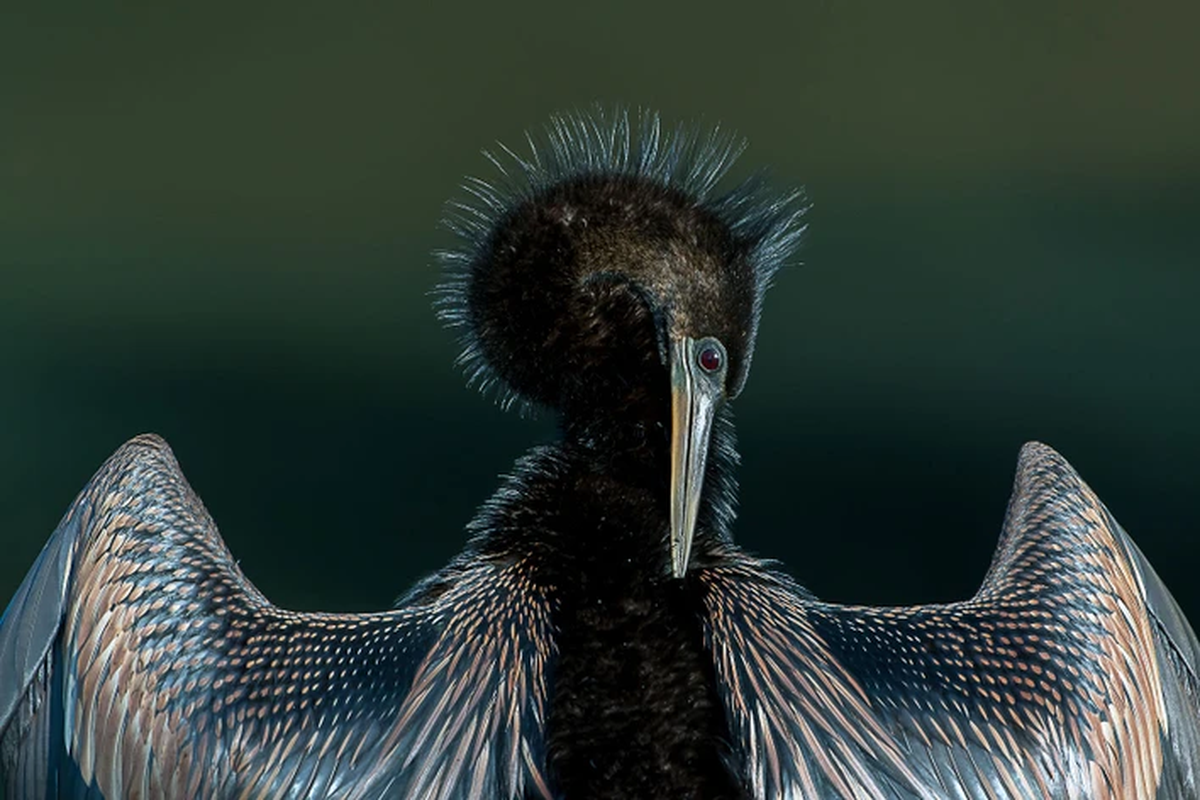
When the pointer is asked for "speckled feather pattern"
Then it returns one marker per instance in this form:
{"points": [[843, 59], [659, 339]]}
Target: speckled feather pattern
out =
{"points": [[1048, 683], [180, 680]]}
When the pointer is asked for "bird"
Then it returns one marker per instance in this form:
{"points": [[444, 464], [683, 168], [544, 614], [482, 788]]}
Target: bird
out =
{"points": [[601, 634]]}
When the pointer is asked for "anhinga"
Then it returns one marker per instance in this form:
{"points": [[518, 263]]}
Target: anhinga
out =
{"points": [[601, 635]]}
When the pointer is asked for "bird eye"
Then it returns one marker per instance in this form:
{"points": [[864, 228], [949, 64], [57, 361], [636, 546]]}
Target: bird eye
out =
{"points": [[710, 358]]}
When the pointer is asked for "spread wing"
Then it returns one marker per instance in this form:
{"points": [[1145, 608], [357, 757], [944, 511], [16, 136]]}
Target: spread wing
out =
{"points": [[1071, 674], [136, 660]]}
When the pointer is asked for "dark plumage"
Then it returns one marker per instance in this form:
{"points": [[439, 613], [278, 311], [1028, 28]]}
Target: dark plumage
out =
{"points": [[568, 288], [601, 635]]}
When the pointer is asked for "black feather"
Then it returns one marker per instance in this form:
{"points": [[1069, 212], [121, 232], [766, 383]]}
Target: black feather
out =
{"points": [[599, 144]]}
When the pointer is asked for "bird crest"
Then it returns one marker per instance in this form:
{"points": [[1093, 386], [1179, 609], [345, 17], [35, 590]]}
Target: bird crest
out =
{"points": [[690, 162]]}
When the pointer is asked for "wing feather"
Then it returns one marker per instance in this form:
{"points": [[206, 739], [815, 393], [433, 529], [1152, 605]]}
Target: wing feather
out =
{"points": [[1070, 674], [137, 660]]}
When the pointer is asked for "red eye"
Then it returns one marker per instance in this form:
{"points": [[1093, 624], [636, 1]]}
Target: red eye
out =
{"points": [[710, 359]]}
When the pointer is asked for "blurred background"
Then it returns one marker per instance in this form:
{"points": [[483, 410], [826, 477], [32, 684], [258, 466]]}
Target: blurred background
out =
{"points": [[216, 221]]}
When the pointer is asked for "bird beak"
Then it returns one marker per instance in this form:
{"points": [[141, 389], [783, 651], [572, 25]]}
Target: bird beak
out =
{"points": [[694, 400]]}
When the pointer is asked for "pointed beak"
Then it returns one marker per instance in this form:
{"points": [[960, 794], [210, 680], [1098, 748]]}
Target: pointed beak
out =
{"points": [[695, 397]]}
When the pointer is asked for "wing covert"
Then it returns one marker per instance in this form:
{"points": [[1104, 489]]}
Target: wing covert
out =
{"points": [[1069, 674], [139, 661]]}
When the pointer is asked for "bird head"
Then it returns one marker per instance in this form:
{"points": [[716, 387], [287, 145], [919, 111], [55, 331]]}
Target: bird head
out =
{"points": [[601, 277]]}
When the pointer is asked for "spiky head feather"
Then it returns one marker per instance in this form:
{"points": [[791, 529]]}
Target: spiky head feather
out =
{"points": [[601, 199]]}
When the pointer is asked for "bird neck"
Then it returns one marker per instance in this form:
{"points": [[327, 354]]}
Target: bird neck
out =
{"points": [[598, 501], [633, 685]]}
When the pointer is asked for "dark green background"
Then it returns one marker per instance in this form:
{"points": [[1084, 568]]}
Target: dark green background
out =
{"points": [[216, 220]]}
